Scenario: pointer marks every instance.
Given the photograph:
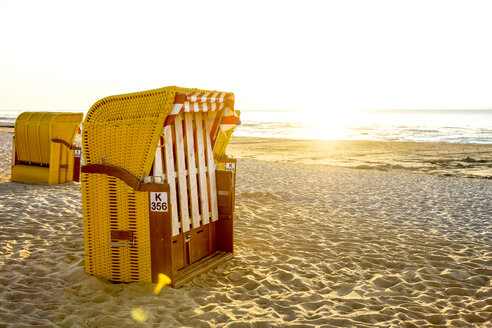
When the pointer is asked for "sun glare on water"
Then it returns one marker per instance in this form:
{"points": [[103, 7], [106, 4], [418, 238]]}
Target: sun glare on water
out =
{"points": [[330, 125]]}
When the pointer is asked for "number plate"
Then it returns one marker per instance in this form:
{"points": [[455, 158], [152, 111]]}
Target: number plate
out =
{"points": [[158, 202], [230, 167]]}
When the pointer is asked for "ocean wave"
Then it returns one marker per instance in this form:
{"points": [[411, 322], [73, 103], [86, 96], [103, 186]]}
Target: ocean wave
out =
{"points": [[450, 126], [7, 119], [376, 132]]}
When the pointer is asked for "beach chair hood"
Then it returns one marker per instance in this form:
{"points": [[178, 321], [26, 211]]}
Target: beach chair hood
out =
{"points": [[133, 124]]}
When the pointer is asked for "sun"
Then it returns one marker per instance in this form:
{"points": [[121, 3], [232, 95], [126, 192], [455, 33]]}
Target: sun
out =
{"points": [[330, 124]]}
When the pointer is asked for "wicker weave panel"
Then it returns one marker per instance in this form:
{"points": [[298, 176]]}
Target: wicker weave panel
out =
{"points": [[109, 204]]}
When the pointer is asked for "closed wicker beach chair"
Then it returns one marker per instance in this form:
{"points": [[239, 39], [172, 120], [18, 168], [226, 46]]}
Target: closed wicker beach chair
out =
{"points": [[43, 149]]}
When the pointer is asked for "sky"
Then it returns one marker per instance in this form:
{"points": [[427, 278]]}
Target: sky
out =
{"points": [[323, 56]]}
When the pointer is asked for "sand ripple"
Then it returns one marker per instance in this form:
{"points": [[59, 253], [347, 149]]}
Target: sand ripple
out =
{"points": [[315, 247]]}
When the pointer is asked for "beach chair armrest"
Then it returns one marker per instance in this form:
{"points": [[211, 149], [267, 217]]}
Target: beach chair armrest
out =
{"points": [[65, 143], [124, 176]]}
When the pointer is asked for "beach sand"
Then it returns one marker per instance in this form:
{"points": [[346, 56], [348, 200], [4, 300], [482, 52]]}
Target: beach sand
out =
{"points": [[317, 245], [461, 160]]}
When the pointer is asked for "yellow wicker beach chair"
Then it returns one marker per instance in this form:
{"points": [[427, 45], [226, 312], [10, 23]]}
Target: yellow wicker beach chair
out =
{"points": [[153, 200], [42, 148]]}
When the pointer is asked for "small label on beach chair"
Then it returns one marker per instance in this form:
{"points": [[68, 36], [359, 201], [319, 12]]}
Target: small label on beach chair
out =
{"points": [[230, 167], [77, 152], [158, 202]]}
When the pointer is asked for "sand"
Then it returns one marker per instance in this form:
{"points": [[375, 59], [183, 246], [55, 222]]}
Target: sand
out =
{"points": [[316, 246], [461, 160]]}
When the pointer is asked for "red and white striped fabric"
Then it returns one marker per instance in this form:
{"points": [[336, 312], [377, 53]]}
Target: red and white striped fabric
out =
{"points": [[179, 100], [229, 119], [212, 103], [205, 101]]}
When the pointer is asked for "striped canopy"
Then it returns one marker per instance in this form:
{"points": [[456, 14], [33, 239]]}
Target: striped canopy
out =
{"points": [[219, 107]]}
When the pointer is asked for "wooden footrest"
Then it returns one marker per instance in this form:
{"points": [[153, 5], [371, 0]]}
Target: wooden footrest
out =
{"points": [[209, 262]]}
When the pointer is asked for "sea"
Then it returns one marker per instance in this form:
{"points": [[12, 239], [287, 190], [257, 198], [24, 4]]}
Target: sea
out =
{"points": [[449, 126]]}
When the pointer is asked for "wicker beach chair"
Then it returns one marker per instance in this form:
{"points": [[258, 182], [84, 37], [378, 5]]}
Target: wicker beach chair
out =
{"points": [[43, 149], [153, 201]]}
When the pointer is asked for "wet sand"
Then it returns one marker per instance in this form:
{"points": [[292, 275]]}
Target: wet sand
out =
{"points": [[463, 160]]}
